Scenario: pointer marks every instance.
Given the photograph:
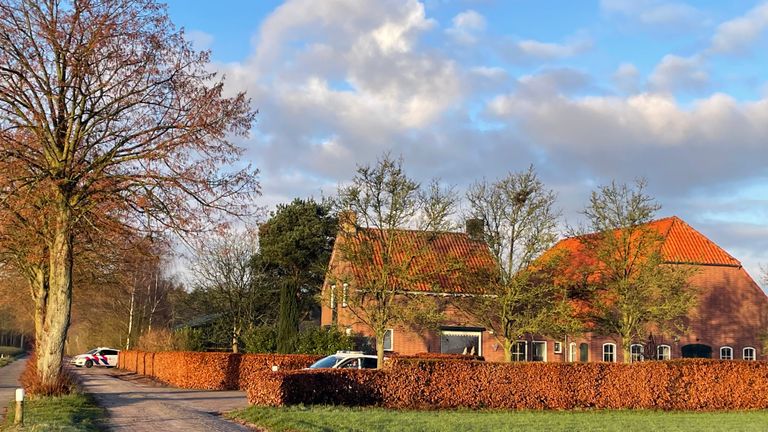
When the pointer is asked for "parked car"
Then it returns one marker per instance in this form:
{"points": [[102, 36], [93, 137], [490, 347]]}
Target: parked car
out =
{"points": [[102, 356], [346, 360]]}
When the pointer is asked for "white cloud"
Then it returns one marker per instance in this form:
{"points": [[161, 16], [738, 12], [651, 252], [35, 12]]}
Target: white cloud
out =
{"points": [[656, 14], [736, 36], [200, 40], [627, 78], [675, 73], [530, 50], [466, 27]]}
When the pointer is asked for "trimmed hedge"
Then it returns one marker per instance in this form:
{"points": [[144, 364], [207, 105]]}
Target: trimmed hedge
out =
{"points": [[209, 371], [698, 385]]}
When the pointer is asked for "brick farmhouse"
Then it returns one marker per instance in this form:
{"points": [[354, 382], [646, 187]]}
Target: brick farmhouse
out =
{"points": [[727, 323]]}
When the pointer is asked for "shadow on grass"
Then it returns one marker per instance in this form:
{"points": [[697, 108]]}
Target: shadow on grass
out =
{"points": [[75, 412]]}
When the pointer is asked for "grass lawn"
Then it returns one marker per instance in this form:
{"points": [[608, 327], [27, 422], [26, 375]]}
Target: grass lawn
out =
{"points": [[322, 418], [74, 412]]}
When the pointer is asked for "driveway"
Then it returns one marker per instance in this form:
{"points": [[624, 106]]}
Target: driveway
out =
{"points": [[134, 404], [9, 382]]}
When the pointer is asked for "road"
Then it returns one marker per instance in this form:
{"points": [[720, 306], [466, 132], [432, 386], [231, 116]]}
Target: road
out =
{"points": [[9, 382], [137, 406]]}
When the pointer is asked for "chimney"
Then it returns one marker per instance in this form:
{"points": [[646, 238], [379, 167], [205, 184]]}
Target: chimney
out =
{"points": [[474, 229], [348, 222]]}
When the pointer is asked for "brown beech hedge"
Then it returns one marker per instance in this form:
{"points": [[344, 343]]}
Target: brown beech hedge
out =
{"points": [[432, 384], [210, 371]]}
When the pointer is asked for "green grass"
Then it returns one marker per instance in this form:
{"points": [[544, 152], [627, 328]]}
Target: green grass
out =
{"points": [[75, 412], [322, 418], [9, 354]]}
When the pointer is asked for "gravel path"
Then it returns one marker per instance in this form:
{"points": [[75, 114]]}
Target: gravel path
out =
{"points": [[9, 382], [139, 406]]}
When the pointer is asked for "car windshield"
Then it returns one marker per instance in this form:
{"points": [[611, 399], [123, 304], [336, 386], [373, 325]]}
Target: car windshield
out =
{"points": [[325, 362]]}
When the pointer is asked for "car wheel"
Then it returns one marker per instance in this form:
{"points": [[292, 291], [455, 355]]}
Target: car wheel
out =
{"points": [[89, 363]]}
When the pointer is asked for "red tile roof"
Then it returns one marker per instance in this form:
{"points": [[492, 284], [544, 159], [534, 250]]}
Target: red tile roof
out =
{"points": [[440, 262], [681, 244]]}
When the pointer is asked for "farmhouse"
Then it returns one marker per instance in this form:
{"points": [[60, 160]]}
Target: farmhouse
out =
{"points": [[730, 315]]}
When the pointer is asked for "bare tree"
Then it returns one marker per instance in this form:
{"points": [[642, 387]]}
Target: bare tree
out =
{"points": [[110, 121], [519, 222], [634, 290], [382, 257], [222, 268]]}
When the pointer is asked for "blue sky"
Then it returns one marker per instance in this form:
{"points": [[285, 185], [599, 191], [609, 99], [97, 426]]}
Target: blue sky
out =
{"points": [[586, 91]]}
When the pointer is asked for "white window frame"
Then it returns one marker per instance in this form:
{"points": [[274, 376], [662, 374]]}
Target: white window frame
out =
{"points": [[730, 355], [477, 333], [344, 293], [753, 356], [660, 349], [636, 357], [391, 339], [525, 350], [333, 296], [612, 353], [573, 352], [545, 350], [557, 348]]}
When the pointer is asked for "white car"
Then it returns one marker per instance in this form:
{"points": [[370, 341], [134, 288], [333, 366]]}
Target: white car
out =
{"points": [[102, 356], [346, 360]]}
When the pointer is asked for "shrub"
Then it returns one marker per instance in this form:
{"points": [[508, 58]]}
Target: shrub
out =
{"points": [[30, 380], [311, 340], [188, 339], [210, 371], [260, 339], [433, 384], [323, 341]]}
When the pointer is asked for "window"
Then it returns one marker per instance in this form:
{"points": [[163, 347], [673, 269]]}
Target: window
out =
{"points": [[636, 353], [558, 348], [333, 297], [572, 352], [369, 363], [519, 351], [388, 339], [461, 340], [726, 353], [749, 354], [344, 292], [538, 351], [583, 352], [609, 352], [663, 352], [350, 364]]}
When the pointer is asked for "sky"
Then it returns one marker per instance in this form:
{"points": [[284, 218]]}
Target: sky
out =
{"points": [[585, 91]]}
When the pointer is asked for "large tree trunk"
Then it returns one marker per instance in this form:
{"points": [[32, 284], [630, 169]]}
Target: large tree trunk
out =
{"points": [[50, 342]]}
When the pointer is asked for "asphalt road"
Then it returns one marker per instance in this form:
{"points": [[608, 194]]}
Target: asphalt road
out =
{"points": [[137, 406], [9, 382]]}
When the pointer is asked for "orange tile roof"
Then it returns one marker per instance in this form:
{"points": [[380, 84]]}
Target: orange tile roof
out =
{"points": [[440, 262], [681, 244]]}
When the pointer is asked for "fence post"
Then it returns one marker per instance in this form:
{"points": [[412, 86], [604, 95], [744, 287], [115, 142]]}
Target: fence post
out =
{"points": [[19, 418]]}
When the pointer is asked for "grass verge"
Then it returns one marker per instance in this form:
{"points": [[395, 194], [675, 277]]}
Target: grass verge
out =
{"points": [[75, 412], [9, 354], [326, 418]]}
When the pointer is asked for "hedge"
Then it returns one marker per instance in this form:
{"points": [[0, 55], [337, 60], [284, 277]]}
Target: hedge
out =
{"points": [[209, 371], [698, 385]]}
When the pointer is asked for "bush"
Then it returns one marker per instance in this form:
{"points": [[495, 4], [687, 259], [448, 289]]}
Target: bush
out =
{"points": [[188, 339], [440, 384], [30, 380], [323, 341], [260, 339], [311, 340], [209, 371]]}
